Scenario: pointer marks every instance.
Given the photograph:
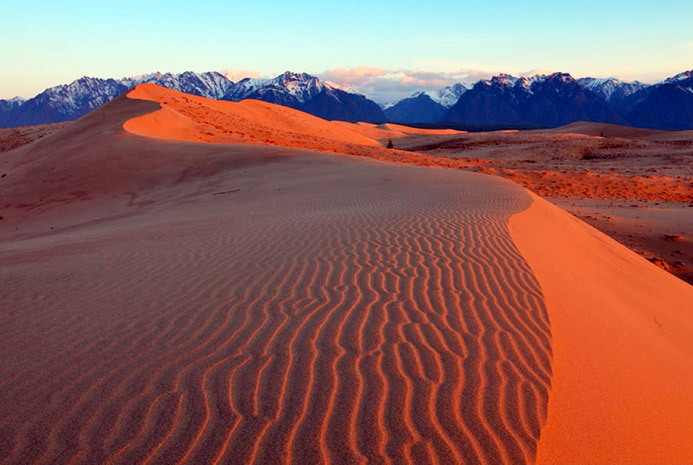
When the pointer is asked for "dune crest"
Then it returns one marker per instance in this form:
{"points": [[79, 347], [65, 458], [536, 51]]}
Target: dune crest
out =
{"points": [[623, 352], [197, 119]]}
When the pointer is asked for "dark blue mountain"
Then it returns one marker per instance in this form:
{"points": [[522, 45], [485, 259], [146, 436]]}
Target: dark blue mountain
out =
{"points": [[419, 108], [539, 101], [668, 106], [71, 101]]}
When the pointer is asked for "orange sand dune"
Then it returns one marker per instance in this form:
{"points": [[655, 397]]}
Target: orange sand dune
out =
{"points": [[191, 118], [421, 131], [391, 130], [256, 304], [173, 301], [373, 131], [622, 380]]}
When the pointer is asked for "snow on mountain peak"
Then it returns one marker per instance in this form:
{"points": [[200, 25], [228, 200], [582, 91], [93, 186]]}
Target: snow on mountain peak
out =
{"points": [[504, 79], [334, 85], [608, 87], [679, 77], [448, 96], [9, 104]]}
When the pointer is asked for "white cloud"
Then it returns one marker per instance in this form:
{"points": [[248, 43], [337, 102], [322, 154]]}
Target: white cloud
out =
{"points": [[537, 71], [236, 74], [387, 86]]}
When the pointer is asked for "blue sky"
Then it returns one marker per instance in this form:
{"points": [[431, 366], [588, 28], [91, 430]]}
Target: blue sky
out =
{"points": [[48, 43]]}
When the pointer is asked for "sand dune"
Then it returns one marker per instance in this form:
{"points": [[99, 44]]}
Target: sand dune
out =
{"points": [[319, 308], [373, 131], [226, 303], [191, 118], [623, 352], [11, 138], [614, 130], [421, 131]]}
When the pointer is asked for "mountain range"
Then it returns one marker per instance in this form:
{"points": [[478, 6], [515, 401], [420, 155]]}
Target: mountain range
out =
{"points": [[539, 101], [502, 101], [300, 91]]}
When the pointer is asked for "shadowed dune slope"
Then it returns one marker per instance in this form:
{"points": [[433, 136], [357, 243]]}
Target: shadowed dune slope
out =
{"points": [[93, 170], [614, 130], [623, 353], [256, 304]]}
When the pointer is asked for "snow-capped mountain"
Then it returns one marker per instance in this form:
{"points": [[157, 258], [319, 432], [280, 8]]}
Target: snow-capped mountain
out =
{"points": [[9, 104], [685, 76], [301, 91], [244, 87], [424, 107], [308, 93], [609, 88], [289, 89], [538, 101], [504, 100], [70, 101], [448, 96], [210, 84], [64, 103], [622, 95]]}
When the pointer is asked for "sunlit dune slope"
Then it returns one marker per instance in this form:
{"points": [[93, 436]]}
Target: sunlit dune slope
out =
{"points": [[386, 131], [421, 131], [622, 385], [197, 119], [370, 130]]}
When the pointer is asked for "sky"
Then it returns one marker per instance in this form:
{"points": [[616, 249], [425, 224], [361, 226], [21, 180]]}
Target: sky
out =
{"points": [[376, 47]]}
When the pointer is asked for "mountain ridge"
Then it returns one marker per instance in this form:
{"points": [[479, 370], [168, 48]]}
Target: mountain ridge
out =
{"points": [[502, 100]]}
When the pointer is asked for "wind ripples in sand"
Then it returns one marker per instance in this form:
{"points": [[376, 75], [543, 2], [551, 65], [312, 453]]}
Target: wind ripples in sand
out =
{"points": [[384, 321]]}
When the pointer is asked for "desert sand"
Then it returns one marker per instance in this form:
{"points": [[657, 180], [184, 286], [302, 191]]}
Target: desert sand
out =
{"points": [[11, 138], [179, 288], [607, 175], [621, 345]]}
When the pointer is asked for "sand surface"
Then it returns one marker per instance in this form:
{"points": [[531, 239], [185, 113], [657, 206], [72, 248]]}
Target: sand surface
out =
{"points": [[597, 171], [286, 306], [662, 232], [622, 347], [11, 138], [170, 300]]}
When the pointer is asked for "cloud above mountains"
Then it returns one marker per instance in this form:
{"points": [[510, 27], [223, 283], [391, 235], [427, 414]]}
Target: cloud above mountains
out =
{"points": [[387, 86], [236, 74], [382, 85]]}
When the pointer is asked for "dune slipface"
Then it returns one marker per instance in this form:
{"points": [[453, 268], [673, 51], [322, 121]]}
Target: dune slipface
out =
{"points": [[623, 353], [302, 308]]}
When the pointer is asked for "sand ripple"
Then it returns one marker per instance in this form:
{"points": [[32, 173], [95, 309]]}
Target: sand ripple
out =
{"points": [[364, 313]]}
